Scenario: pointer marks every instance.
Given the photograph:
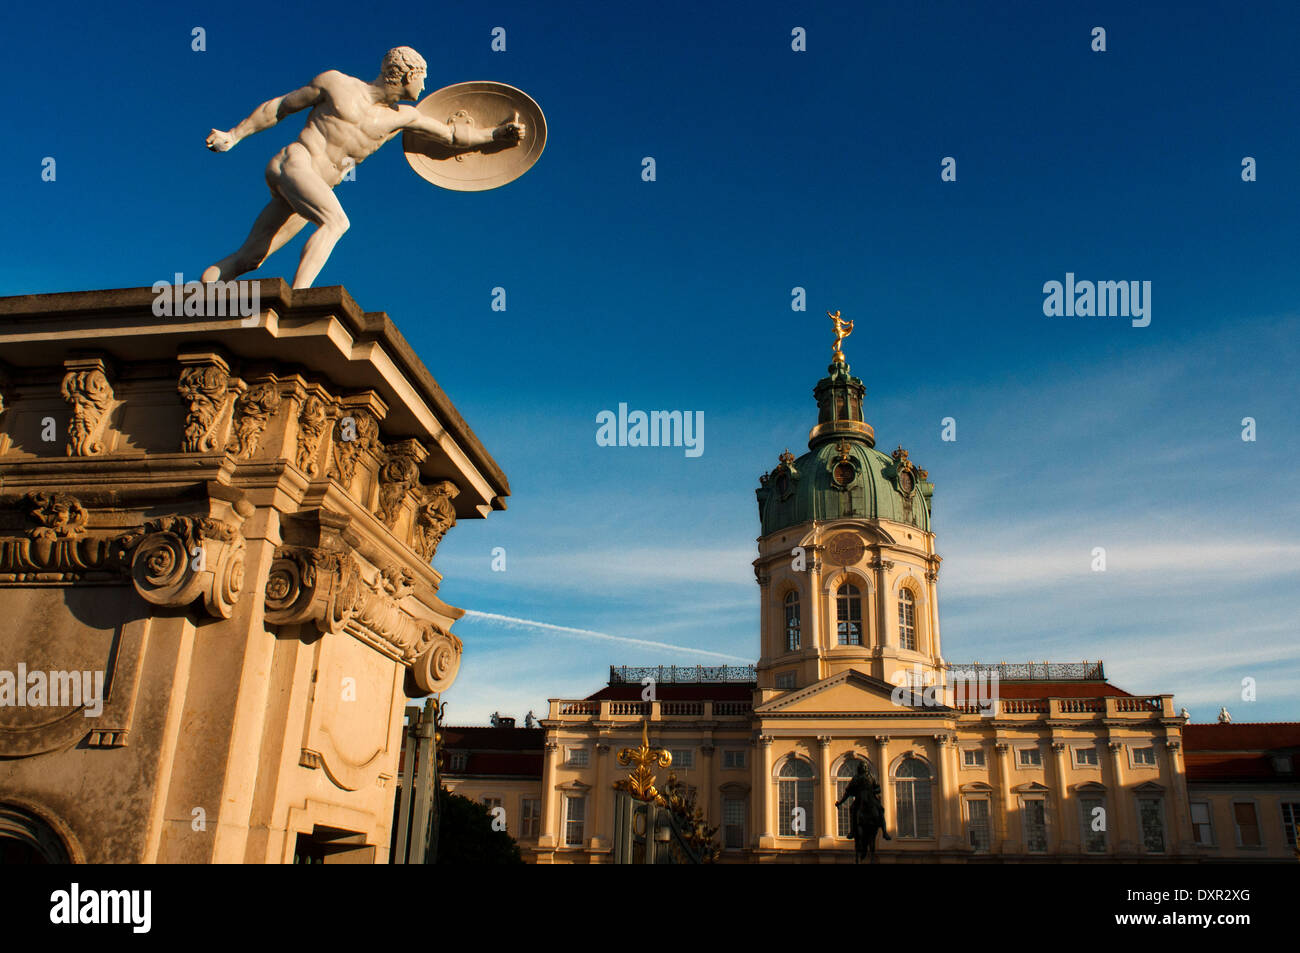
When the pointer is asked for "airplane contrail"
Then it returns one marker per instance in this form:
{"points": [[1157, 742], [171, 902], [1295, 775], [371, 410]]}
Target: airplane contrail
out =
{"points": [[587, 633]]}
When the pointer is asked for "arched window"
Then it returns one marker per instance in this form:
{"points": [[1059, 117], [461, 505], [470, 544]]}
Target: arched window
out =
{"points": [[795, 799], [26, 839], [906, 619], [912, 799], [842, 778], [791, 621], [848, 609]]}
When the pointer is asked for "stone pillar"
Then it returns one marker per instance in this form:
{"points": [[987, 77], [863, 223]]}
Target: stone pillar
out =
{"points": [[765, 801], [886, 788], [949, 830], [825, 797], [602, 801], [1008, 840], [1120, 837], [552, 802], [1181, 839], [1063, 840]]}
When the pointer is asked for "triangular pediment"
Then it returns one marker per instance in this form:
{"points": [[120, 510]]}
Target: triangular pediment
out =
{"points": [[849, 692]]}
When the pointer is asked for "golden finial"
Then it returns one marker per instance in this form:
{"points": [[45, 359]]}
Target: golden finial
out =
{"points": [[842, 330], [641, 783]]}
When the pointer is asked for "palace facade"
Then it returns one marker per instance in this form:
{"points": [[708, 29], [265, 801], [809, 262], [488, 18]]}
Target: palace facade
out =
{"points": [[1001, 763]]}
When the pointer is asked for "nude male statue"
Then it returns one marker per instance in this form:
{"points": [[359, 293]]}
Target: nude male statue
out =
{"points": [[349, 120]]}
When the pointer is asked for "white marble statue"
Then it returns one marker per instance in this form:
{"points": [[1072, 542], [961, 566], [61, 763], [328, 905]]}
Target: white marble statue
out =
{"points": [[349, 120]]}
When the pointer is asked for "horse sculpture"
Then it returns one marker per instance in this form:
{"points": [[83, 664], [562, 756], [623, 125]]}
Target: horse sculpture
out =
{"points": [[868, 815]]}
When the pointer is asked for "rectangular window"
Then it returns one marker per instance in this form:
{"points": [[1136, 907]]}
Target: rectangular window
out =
{"points": [[733, 758], [972, 758], [577, 758], [1031, 758], [1035, 823], [733, 824], [1144, 756], [575, 816], [977, 823], [491, 802], [683, 758], [1092, 822], [1202, 825], [1290, 820], [459, 759], [1151, 819], [785, 680], [1085, 757], [1243, 812], [531, 822]]}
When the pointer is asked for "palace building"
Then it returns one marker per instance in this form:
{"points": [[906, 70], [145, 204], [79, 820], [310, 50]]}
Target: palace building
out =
{"points": [[1001, 763]]}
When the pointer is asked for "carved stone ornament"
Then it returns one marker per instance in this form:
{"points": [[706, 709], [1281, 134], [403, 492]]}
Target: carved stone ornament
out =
{"points": [[176, 559], [203, 389], [90, 395], [253, 409], [311, 427], [434, 517], [397, 477], [355, 432], [328, 590], [844, 549], [59, 547]]}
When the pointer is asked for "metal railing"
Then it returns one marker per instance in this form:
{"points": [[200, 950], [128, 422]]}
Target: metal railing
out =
{"points": [[671, 674], [1036, 671]]}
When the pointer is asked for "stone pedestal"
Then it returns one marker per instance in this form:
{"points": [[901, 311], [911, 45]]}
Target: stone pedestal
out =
{"points": [[229, 522]]}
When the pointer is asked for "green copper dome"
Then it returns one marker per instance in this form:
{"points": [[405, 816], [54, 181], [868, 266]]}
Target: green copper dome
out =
{"points": [[843, 475]]}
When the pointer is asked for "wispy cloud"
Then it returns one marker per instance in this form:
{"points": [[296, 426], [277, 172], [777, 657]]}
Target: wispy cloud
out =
{"points": [[516, 623]]}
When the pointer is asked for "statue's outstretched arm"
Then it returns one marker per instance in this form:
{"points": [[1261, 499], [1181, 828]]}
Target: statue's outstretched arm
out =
{"points": [[265, 116], [465, 137]]}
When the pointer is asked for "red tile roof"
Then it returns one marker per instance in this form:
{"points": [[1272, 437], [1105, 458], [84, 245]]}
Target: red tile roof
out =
{"points": [[493, 739], [1044, 689], [1247, 736]]}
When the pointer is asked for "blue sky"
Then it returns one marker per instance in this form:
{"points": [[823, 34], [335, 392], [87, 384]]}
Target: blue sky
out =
{"points": [[775, 169]]}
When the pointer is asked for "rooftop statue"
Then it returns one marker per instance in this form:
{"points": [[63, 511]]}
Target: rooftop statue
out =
{"points": [[349, 120]]}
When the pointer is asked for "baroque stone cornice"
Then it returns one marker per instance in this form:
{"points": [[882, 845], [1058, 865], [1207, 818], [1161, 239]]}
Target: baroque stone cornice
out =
{"points": [[312, 421], [399, 475], [434, 516]]}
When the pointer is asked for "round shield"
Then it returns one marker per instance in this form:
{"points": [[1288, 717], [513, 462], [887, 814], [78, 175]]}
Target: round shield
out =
{"points": [[482, 105]]}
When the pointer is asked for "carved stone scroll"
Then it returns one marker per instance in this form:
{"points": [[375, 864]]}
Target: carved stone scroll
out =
{"points": [[176, 559]]}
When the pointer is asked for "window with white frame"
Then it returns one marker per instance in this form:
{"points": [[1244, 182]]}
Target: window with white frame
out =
{"points": [[575, 817], [785, 680], [576, 757], [1202, 823], [1092, 824], [848, 612], [1029, 758], [1086, 757], [795, 799], [913, 799], [733, 758], [530, 823], [1144, 757], [1246, 817], [843, 820], [459, 761], [977, 823], [906, 619], [733, 823], [792, 637], [972, 757], [1151, 822], [491, 802], [1033, 816], [1290, 821], [683, 757]]}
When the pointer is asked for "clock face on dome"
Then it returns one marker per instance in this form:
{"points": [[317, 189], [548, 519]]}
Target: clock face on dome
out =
{"points": [[906, 482]]}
